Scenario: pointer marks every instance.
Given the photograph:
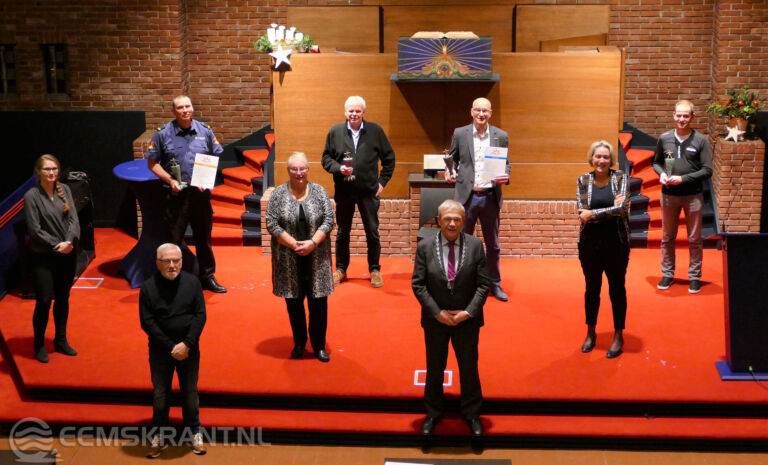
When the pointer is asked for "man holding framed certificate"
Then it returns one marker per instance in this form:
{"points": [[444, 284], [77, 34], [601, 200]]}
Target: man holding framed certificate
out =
{"points": [[479, 152], [172, 157]]}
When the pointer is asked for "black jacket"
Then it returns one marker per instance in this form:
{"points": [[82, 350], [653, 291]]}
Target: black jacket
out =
{"points": [[372, 147]]}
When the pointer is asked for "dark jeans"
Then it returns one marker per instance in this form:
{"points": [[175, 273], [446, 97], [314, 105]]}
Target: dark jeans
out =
{"points": [[162, 366], [52, 277], [192, 207], [485, 208], [464, 339], [368, 205], [598, 254]]}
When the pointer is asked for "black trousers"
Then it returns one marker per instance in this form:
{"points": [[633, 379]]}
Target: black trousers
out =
{"points": [[318, 321], [464, 339], [598, 254], [368, 205], [192, 207], [52, 278], [162, 367]]}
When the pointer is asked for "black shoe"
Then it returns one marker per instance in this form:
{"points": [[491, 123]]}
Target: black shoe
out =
{"points": [[475, 426], [499, 293], [665, 283], [41, 355], [297, 352], [64, 348], [428, 425], [588, 345], [212, 285], [323, 356], [695, 286], [614, 353]]}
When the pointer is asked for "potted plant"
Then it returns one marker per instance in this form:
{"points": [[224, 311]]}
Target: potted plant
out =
{"points": [[739, 107]]}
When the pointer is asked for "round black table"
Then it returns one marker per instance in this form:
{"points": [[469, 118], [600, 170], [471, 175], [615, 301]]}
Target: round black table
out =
{"points": [[139, 263]]}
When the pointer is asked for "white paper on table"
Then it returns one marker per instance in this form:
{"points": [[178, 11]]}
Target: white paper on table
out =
{"points": [[204, 170], [494, 162]]}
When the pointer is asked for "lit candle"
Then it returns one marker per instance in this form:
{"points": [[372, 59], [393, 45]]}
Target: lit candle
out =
{"points": [[289, 34], [298, 37], [271, 35], [281, 32]]}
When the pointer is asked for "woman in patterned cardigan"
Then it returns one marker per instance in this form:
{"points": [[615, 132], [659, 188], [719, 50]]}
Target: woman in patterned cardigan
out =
{"points": [[603, 206], [300, 219]]}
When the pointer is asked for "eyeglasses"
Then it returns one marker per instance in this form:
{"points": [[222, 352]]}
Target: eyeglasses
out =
{"points": [[481, 110], [50, 170], [168, 261], [302, 169]]}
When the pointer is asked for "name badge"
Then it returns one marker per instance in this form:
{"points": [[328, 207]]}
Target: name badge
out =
{"points": [[691, 149], [199, 138]]}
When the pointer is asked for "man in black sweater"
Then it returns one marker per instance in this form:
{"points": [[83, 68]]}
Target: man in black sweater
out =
{"points": [[172, 313], [353, 151]]}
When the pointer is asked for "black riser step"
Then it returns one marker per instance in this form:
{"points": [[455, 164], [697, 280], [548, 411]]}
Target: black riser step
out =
{"points": [[252, 237]]}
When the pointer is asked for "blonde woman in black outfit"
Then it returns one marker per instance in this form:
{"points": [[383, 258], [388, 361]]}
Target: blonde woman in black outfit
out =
{"points": [[53, 231], [603, 206]]}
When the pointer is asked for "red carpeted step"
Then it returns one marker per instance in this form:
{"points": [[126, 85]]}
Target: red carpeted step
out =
{"points": [[239, 176], [648, 175], [255, 158], [625, 139], [270, 138], [227, 216], [226, 236], [640, 158], [655, 234], [223, 194]]}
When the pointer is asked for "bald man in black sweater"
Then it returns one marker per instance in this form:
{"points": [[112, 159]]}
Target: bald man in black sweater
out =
{"points": [[172, 313]]}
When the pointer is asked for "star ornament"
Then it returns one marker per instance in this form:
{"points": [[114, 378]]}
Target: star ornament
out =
{"points": [[734, 133], [281, 55]]}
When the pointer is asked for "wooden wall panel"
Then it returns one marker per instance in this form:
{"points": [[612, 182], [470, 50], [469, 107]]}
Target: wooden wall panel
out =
{"points": [[492, 20], [557, 45], [537, 23], [331, 27], [551, 117], [539, 181]]}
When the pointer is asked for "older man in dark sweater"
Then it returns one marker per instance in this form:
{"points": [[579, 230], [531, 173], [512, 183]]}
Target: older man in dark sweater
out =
{"points": [[172, 313]]}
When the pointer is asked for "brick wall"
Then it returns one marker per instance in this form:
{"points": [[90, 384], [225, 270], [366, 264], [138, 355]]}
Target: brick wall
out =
{"points": [[740, 45], [122, 54], [737, 180], [669, 53]]}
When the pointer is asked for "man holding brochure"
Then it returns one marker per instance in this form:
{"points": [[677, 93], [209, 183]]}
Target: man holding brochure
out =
{"points": [[479, 152], [171, 156]]}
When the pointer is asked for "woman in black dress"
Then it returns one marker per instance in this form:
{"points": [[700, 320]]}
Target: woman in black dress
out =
{"points": [[603, 206], [53, 231]]}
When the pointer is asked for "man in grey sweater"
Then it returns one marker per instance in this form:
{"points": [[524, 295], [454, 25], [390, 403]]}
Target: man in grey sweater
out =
{"points": [[683, 161]]}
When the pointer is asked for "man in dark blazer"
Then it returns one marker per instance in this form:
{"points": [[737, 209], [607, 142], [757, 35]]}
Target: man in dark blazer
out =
{"points": [[451, 283], [481, 200], [357, 181]]}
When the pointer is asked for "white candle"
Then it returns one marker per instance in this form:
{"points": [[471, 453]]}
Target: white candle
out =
{"points": [[289, 35], [271, 35], [299, 36], [280, 33]]}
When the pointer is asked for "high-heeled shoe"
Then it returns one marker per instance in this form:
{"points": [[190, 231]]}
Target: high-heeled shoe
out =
{"points": [[614, 353]]}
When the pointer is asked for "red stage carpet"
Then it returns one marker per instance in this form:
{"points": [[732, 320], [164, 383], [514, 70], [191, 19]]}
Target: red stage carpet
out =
{"points": [[529, 351]]}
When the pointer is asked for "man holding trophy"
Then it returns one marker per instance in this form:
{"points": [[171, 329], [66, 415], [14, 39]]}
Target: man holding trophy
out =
{"points": [[352, 153], [683, 160], [171, 156], [467, 165]]}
